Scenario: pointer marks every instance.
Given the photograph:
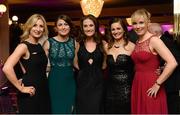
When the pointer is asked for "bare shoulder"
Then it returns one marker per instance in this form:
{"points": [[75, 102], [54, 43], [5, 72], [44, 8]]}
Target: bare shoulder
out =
{"points": [[46, 44], [156, 41], [20, 50], [131, 45], [76, 44], [105, 44], [21, 47]]}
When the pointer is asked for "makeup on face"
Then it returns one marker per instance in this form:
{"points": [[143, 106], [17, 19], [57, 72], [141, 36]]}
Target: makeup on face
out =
{"points": [[117, 30], [62, 27], [38, 29], [140, 25], [88, 27]]}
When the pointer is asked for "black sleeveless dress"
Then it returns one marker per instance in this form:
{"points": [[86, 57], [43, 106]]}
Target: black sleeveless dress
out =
{"points": [[118, 86], [35, 76], [89, 81]]}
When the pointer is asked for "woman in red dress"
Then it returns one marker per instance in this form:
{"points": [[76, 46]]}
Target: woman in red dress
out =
{"points": [[148, 94]]}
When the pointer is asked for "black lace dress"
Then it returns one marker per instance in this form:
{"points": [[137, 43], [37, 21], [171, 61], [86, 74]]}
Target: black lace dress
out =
{"points": [[118, 85]]}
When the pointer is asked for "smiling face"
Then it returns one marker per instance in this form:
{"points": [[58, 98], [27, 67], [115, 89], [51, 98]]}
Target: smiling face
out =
{"points": [[62, 28], [88, 27], [140, 21], [140, 25], [117, 30], [37, 30]]}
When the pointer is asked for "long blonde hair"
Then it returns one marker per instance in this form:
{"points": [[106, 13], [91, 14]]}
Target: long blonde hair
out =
{"points": [[30, 23]]}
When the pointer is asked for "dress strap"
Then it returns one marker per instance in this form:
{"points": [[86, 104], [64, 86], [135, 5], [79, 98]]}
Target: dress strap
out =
{"points": [[28, 45]]}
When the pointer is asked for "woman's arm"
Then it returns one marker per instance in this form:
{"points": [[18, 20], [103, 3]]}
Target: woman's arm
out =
{"points": [[76, 57], [158, 46], [46, 46], [20, 51], [165, 54], [105, 47]]}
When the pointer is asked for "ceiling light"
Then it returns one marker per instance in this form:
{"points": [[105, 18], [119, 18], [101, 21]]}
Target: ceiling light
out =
{"points": [[92, 7], [15, 18], [2, 9]]}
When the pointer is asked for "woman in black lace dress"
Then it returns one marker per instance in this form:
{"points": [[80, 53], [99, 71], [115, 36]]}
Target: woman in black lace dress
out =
{"points": [[120, 68]]}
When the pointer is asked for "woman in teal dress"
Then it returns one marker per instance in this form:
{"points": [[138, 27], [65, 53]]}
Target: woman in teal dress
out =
{"points": [[60, 50]]}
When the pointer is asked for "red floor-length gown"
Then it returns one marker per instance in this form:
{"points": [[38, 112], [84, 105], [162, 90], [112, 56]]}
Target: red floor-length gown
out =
{"points": [[146, 64]]}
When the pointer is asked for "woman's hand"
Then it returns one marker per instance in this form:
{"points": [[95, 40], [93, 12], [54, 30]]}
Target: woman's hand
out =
{"points": [[28, 89], [153, 90]]}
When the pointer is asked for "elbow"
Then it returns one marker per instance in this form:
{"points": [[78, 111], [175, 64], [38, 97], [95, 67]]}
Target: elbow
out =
{"points": [[6, 69], [176, 64]]}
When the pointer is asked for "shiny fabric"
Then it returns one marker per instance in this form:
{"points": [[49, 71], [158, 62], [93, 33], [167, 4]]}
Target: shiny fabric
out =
{"points": [[118, 87]]}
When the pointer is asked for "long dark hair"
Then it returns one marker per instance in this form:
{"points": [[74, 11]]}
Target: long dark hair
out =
{"points": [[109, 34]]}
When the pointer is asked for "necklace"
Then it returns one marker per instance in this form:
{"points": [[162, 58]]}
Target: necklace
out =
{"points": [[116, 46]]}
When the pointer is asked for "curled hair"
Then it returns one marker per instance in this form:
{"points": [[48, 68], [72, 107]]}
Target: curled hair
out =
{"points": [[68, 20], [141, 12], [30, 23], [109, 34]]}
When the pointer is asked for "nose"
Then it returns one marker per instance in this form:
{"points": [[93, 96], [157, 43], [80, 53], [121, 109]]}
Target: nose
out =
{"points": [[138, 26], [38, 28], [88, 29]]}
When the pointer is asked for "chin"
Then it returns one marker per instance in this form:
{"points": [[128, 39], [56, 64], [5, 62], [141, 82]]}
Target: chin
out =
{"points": [[139, 33], [37, 37], [64, 35], [89, 35]]}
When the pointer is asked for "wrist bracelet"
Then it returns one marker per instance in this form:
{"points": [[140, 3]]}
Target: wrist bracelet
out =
{"points": [[157, 83]]}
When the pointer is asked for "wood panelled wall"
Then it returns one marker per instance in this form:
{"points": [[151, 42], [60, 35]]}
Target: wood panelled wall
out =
{"points": [[4, 34]]}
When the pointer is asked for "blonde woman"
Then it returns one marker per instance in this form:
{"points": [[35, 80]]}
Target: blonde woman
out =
{"points": [[148, 94], [33, 95]]}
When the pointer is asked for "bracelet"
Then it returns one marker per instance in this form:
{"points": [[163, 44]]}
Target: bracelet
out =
{"points": [[157, 83]]}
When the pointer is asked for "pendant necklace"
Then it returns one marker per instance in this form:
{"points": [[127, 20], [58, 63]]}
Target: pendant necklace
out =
{"points": [[116, 46]]}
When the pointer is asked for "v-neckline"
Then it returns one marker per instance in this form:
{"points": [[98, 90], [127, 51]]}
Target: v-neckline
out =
{"points": [[89, 51], [115, 59]]}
